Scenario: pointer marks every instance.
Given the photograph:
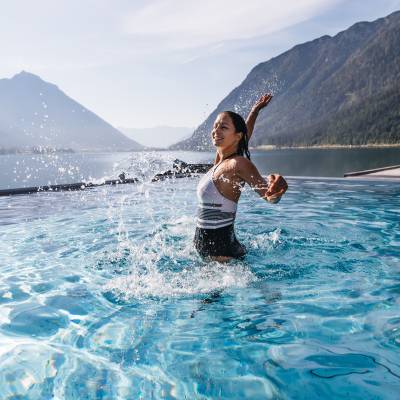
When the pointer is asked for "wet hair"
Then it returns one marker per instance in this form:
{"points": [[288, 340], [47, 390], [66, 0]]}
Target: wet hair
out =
{"points": [[240, 126]]}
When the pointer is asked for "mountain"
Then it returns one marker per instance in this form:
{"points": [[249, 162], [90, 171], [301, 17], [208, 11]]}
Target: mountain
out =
{"points": [[37, 113], [158, 136], [343, 89]]}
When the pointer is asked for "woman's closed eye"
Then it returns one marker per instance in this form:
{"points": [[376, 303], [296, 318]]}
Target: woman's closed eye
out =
{"points": [[222, 126]]}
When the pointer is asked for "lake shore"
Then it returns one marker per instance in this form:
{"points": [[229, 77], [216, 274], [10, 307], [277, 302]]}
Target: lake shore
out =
{"points": [[267, 147]]}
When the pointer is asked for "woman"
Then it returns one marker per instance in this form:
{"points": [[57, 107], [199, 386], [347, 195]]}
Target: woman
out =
{"points": [[219, 190]]}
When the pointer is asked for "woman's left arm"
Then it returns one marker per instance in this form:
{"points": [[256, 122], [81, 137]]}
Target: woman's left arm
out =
{"points": [[270, 190], [262, 102]]}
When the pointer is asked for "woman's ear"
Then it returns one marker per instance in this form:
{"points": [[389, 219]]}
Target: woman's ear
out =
{"points": [[241, 135]]}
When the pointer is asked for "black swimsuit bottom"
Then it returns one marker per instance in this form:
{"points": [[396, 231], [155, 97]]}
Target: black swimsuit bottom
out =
{"points": [[218, 242]]}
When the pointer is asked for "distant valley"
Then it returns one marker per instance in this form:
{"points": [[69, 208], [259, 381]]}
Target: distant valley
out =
{"points": [[159, 136]]}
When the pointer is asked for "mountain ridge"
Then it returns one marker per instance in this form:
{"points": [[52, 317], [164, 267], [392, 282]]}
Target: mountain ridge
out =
{"points": [[314, 82], [34, 112]]}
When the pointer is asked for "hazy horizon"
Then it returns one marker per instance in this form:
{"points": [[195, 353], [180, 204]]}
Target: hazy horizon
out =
{"points": [[157, 136]]}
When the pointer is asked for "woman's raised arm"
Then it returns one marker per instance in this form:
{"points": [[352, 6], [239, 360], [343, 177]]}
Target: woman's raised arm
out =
{"points": [[262, 102]]}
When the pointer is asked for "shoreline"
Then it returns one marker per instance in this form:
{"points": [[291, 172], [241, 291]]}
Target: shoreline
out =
{"points": [[268, 147]]}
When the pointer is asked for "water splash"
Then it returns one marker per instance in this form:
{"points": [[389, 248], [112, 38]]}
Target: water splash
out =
{"points": [[162, 262], [144, 165], [253, 92], [192, 280]]}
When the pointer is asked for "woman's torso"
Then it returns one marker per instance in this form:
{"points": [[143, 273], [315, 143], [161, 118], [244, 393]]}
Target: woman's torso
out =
{"points": [[218, 193]]}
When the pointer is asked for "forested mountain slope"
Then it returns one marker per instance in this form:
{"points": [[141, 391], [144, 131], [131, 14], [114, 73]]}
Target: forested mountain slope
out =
{"points": [[343, 89]]}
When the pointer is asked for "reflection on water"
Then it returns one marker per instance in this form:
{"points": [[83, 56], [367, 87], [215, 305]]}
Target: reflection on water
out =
{"points": [[325, 162], [43, 169]]}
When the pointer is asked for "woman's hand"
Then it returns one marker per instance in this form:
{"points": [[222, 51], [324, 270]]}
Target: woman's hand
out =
{"points": [[277, 186], [262, 102]]}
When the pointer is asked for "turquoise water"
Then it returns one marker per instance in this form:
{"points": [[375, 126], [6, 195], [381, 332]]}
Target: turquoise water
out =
{"points": [[103, 297]]}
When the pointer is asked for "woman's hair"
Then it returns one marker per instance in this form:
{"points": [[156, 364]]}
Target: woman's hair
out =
{"points": [[240, 126]]}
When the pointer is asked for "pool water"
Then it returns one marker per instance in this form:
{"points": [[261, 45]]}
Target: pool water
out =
{"points": [[102, 295]]}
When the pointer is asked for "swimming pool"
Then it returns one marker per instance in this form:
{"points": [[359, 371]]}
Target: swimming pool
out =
{"points": [[103, 297]]}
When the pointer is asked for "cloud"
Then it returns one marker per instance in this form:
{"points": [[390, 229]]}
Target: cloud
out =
{"points": [[178, 24]]}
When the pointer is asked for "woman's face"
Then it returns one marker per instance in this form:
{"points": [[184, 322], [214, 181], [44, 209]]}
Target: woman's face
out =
{"points": [[223, 133]]}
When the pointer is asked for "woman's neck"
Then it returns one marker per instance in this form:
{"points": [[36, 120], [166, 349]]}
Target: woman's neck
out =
{"points": [[225, 153]]}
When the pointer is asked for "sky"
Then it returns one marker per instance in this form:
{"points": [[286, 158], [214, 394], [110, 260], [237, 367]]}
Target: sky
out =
{"points": [[145, 63]]}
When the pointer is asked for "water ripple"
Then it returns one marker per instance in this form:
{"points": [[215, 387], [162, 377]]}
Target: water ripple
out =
{"points": [[102, 295]]}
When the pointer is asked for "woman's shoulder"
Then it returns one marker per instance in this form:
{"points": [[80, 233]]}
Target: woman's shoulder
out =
{"points": [[241, 161], [239, 164]]}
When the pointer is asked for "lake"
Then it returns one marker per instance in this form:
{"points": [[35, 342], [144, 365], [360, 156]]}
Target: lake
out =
{"points": [[42, 169]]}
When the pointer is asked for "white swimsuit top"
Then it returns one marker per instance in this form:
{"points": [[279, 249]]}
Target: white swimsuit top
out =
{"points": [[214, 211]]}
